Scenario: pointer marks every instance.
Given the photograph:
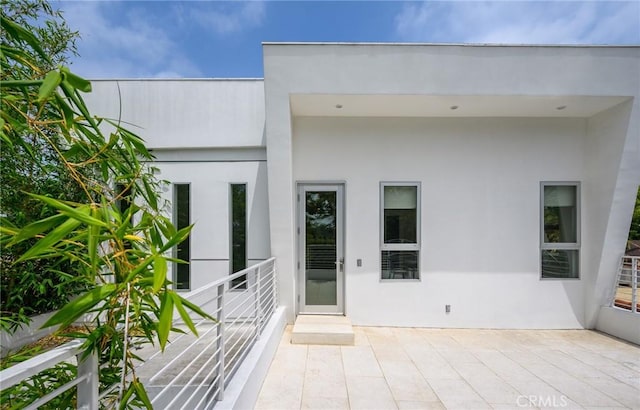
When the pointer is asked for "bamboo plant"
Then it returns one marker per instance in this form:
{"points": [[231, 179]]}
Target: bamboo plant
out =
{"points": [[123, 251]]}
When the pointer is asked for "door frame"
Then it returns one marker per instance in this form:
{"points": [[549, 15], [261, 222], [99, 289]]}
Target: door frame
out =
{"points": [[339, 188]]}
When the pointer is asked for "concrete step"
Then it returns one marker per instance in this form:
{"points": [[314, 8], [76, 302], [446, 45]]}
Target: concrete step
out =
{"points": [[322, 330]]}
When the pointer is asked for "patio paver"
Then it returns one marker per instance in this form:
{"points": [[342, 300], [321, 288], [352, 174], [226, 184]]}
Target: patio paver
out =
{"points": [[409, 368]]}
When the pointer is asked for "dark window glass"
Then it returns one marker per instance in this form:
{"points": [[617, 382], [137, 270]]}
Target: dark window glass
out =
{"points": [[560, 214], [400, 214], [399, 265], [560, 263], [560, 249], [321, 231], [400, 249], [124, 204], [124, 194], [239, 233], [182, 220]]}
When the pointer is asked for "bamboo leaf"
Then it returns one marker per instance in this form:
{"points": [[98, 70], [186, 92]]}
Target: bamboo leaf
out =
{"points": [[19, 33], [19, 83], [152, 196], [166, 227], [81, 213], [165, 319], [125, 398], [92, 243], [145, 263], [67, 114], [72, 94], [133, 238], [46, 244], [76, 81], [196, 308], [159, 272], [177, 300], [37, 228], [48, 86], [180, 236], [142, 394], [78, 307]]}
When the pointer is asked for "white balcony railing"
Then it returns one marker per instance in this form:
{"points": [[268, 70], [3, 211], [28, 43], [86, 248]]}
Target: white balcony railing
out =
{"points": [[625, 294], [192, 372]]}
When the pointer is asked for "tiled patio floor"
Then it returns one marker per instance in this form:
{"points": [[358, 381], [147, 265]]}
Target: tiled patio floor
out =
{"points": [[406, 368]]}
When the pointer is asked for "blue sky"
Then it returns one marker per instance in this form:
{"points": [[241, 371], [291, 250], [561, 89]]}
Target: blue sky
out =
{"points": [[135, 39]]}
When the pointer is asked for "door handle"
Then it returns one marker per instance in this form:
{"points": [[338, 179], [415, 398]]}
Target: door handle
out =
{"points": [[340, 264]]}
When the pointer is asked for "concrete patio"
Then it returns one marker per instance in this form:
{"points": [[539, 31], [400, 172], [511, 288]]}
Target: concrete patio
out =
{"points": [[409, 368]]}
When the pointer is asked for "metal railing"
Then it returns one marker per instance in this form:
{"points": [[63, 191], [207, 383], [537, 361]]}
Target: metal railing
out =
{"points": [[625, 293], [193, 371], [86, 380]]}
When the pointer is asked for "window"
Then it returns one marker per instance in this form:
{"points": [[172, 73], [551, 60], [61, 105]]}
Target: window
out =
{"points": [[124, 194], [124, 204], [400, 230], [182, 219], [560, 230], [238, 240]]}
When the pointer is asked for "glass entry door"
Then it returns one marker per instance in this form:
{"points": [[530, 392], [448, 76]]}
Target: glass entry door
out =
{"points": [[320, 248]]}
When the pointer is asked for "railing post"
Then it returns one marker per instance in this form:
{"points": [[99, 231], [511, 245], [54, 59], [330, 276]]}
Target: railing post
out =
{"points": [[634, 285], [274, 284], [258, 301], [88, 389], [220, 317]]}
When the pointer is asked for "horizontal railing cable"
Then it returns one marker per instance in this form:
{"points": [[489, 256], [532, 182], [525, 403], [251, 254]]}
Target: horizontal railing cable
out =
{"points": [[241, 309]]}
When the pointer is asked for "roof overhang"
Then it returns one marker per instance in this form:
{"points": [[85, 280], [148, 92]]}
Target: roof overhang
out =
{"points": [[384, 105]]}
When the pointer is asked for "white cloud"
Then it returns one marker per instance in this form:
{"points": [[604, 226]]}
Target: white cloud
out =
{"points": [[229, 17], [124, 43], [566, 22]]}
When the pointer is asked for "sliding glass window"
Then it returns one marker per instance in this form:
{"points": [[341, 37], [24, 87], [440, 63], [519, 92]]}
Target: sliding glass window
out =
{"points": [[238, 235], [560, 230], [400, 230], [182, 219]]}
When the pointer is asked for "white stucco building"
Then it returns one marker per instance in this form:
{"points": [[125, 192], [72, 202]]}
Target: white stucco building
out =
{"points": [[407, 184]]}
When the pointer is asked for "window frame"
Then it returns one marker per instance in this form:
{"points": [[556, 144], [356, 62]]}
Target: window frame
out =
{"points": [[242, 279], [415, 247], [572, 246], [174, 211]]}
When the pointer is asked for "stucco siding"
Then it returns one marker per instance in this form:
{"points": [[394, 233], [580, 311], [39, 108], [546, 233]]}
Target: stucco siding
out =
{"points": [[480, 215], [185, 113]]}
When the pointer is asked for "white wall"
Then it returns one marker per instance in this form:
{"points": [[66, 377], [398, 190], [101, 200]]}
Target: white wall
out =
{"points": [[620, 323], [480, 212], [185, 113], [518, 72], [613, 169], [210, 202]]}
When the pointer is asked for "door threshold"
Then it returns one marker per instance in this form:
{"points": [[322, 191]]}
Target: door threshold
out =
{"points": [[321, 313]]}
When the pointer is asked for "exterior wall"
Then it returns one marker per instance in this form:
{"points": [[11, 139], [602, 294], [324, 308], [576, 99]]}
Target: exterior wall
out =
{"points": [[613, 157], [210, 211], [625, 325], [185, 113], [483, 260], [480, 215], [519, 72], [210, 134]]}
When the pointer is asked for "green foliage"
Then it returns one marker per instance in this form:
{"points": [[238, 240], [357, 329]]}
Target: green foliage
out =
{"points": [[28, 163], [121, 251], [36, 387]]}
